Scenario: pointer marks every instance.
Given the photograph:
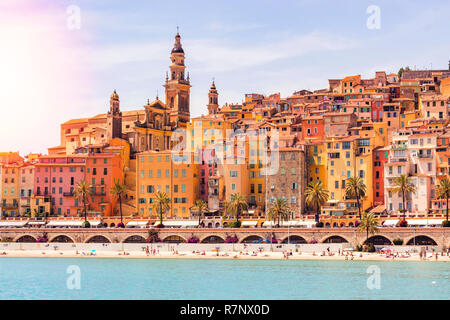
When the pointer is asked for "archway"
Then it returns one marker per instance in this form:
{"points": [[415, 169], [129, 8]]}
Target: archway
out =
{"points": [[342, 224], [327, 225], [112, 225], [135, 239], [62, 238], [210, 225], [294, 240], [217, 224], [98, 239], [335, 225], [252, 239], [422, 241], [26, 238], [213, 239], [335, 239], [378, 241], [174, 239], [350, 224]]}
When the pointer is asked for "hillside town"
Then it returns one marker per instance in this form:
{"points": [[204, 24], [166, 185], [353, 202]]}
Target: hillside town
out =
{"points": [[376, 134]]}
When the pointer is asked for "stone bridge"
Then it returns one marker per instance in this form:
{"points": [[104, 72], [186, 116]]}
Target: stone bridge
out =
{"points": [[385, 236]]}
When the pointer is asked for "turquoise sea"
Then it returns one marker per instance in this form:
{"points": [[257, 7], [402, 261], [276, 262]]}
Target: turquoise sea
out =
{"points": [[46, 278]]}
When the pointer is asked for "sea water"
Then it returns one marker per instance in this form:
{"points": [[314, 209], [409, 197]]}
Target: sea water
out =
{"points": [[102, 278]]}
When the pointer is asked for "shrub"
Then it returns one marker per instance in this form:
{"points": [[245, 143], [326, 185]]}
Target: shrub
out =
{"points": [[41, 239], [153, 237], [86, 224], [446, 224], [159, 225], [312, 242], [370, 248], [356, 224], [231, 239], [7, 239], [120, 225], [235, 224], [359, 248], [319, 224], [403, 224], [193, 240], [398, 241]]}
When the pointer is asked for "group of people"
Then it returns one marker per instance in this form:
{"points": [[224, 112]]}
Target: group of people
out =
{"points": [[152, 252]]}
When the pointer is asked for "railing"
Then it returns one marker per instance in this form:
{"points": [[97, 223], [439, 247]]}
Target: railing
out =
{"points": [[68, 194], [425, 155], [9, 205]]}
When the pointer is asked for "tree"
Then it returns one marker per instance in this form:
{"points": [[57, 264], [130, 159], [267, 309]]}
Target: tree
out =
{"points": [[237, 205], [118, 190], [316, 197], [403, 186], [355, 189], [161, 204], [368, 223], [443, 192], [279, 210], [82, 191], [400, 72], [200, 206]]}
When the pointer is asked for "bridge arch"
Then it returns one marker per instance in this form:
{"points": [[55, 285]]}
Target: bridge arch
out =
{"points": [[98, 239], [62, 238], [252, 238], [174, 239], [135, 239], [378, 240], [25, 238], [335, 239], [294, 239], [212, 239], [422, 240]]}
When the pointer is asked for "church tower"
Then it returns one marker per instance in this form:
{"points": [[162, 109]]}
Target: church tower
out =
{"points": [[114, 118], [178, 86], [213, 95]]}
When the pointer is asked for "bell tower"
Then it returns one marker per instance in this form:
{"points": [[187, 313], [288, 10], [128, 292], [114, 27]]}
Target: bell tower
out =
{"points": [[178, 86], [114, 118], [213, 95]]}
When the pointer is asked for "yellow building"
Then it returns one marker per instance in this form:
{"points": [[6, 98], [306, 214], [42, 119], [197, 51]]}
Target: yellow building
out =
{"points": [[177, 176]]}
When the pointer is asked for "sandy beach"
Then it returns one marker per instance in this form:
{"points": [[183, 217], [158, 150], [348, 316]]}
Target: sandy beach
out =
{"points": [[355, 256]]}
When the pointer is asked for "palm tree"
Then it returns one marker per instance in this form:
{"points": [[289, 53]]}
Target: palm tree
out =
{"points": [[279, 210], [404, 186], [368, 223], [118, 190], [316, 197], [161, 204], [355, 188], [82, 191], [443, 192], [200, 205], [237, 205]]}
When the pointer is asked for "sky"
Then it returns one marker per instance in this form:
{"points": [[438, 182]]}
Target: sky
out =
{"points": [[62, 59]]}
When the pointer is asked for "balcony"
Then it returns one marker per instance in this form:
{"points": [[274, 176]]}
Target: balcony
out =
{"points": [[398, 159], [68, 194], [9, 205], [425, 156]]}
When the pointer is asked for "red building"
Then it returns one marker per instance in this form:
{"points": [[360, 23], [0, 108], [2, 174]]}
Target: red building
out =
{"points": [[56, 178], [312, 128], [380, 157]]}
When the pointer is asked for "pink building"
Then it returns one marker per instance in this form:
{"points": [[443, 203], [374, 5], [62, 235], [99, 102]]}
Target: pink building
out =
{"points": [[56, 178]]}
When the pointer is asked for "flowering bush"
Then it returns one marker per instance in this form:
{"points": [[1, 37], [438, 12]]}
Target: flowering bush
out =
{"points": [[193, 240], [159, 225], [356, 224], [120, 225], [41, 239], [231, 239], [312, 242], [403, 224]]}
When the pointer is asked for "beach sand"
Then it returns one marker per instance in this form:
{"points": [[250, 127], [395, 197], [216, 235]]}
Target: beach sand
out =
{"points": [[357, 256]]}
